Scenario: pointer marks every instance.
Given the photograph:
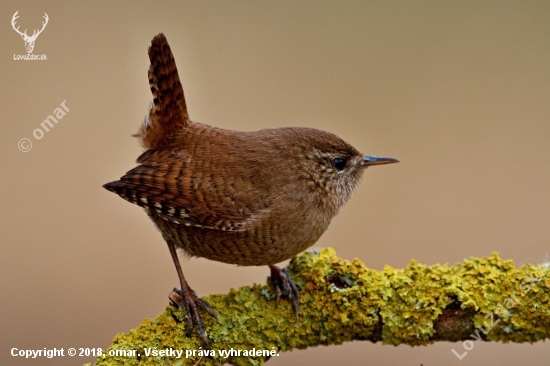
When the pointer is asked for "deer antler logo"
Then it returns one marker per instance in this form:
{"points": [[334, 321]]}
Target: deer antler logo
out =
{"points": [[29, 41]]}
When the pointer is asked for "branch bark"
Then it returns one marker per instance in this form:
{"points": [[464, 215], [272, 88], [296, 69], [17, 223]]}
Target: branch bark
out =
{"points": [[479, 299]]}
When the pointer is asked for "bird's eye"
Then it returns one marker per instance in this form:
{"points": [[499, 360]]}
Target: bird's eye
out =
{"points": [[339, 163]]}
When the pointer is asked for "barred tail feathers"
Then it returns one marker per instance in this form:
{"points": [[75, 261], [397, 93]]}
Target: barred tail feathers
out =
{"points": [[168, 111]]}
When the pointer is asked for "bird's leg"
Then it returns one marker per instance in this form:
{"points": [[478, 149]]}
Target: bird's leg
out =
{"points": [[186, 299], [284, 287]]}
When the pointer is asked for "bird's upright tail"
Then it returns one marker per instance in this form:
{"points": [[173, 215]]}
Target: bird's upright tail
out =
{"points": [[168, 111]]}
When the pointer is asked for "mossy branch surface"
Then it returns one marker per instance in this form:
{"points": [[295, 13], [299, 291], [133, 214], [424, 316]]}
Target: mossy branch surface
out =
{"points": [[341, 300]]}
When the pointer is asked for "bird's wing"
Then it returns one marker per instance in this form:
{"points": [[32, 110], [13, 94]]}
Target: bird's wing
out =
{"points": [[164, 183]]}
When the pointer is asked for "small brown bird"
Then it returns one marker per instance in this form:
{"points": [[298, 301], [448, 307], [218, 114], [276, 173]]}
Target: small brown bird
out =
{"points": [[245, 198]]}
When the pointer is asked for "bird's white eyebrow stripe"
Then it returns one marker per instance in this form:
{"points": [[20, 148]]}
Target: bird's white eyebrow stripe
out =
{"points": [[320, 154]]}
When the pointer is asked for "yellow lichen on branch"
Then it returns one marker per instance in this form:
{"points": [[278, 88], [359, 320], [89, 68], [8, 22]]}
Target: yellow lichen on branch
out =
{"points": [[340, 301]]}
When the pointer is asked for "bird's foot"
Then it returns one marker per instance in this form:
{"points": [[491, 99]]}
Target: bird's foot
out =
{"points": [[191, 303], [281, 281]]}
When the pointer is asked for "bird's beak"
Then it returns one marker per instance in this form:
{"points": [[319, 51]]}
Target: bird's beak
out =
{"points": [[377, 160]]}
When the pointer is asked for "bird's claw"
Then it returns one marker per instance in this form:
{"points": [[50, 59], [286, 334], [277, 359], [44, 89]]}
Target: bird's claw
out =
{"points": [[284, 287], [191, 303]]}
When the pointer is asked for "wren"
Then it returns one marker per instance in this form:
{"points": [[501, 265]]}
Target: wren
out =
{"points": [[245, 198]]}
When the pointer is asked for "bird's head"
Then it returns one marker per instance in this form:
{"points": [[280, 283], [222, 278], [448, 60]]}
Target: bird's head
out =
{"points": [[328, 165]]}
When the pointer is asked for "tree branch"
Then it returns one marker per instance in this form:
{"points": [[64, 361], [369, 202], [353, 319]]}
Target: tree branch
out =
{"points": [[481, 298]]}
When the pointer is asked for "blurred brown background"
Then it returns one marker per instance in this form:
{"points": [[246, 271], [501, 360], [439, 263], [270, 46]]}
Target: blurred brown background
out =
{"points": [[457, 90]]}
